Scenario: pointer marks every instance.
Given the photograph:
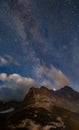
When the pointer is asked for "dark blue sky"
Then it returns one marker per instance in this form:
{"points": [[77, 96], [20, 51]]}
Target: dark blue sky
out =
{"points": [[35, 35]]}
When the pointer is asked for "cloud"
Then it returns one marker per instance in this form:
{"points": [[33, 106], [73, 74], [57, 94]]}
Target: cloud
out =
{"points": [[48, 84], [15, 86], [6, 60], [3, 61], [52, 73], [58, 76], [11, 60], [3, 76]]}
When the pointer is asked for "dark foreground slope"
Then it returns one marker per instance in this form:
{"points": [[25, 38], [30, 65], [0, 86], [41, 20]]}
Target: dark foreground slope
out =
{"points": [[38, 118], [42, 109]]}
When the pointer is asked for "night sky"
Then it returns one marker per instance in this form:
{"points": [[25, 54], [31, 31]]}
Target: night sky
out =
{"points": [[39, 40]]}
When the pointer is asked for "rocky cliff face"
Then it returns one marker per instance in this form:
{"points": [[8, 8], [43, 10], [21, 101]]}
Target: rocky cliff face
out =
{"points": [[45, 98], [42, 109]]}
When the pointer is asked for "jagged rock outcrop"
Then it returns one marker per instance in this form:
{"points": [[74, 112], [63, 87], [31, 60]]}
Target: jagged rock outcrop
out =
{"points": [[42, 97]]}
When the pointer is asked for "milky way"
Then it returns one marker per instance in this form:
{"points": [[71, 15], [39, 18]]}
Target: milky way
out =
{"points": [[39, 39]]}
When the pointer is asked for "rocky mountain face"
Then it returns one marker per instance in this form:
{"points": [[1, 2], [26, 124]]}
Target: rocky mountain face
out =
{"points": [[45, 98], [42, 109]]}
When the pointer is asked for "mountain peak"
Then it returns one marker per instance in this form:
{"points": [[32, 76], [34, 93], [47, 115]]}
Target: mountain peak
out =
{"points": [[67, 88], [43, 88], [38, 90], [68, 92]]}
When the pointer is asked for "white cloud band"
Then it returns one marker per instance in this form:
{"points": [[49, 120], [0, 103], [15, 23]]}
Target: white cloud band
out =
{"points": [[15, 86]]}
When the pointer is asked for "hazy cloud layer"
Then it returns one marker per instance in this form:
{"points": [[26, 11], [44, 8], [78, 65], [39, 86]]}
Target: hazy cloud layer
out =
{"points": [[14, 86], [57, 76]]}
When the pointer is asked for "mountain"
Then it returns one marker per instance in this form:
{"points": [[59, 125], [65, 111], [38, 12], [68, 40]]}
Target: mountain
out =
{"points": [[69, 93], [43, 97], [42, 109]]}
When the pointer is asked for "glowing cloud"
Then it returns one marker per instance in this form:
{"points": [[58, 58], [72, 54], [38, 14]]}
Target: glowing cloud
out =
{"points": [[59, 78]]}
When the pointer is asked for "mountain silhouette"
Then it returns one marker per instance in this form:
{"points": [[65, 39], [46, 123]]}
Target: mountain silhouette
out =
{"points": [[42, 109]]}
